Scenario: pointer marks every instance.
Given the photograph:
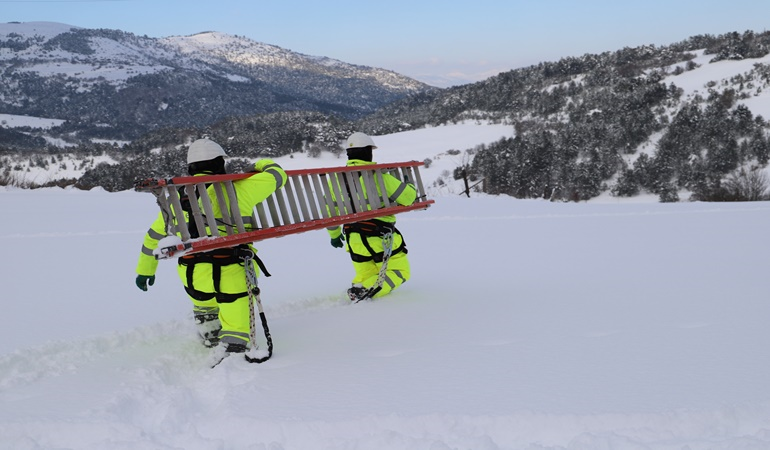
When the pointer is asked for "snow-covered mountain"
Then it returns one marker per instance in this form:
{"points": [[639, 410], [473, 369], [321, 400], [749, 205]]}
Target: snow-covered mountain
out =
{"points": [[112, 83], [219, 49], [49, 48]]}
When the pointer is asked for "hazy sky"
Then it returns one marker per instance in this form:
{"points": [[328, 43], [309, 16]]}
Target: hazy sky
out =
{"points": [[439, 42]]}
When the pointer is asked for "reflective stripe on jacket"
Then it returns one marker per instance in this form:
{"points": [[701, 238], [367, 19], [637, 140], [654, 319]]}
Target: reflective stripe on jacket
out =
{"points": [[250, 192]]}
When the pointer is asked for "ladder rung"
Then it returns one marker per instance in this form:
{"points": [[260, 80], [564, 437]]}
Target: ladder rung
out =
{"points": [[311, 199]]}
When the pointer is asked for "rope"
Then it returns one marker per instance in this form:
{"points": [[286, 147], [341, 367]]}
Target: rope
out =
{"points": [[387, 250], [253, 289]]}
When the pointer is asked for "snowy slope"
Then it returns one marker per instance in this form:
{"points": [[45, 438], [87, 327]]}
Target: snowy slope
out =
{"points": [[526, 325]]}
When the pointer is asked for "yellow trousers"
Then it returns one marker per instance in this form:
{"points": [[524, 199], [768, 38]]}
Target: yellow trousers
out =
{"points": [[367, 271], [234, 314]]}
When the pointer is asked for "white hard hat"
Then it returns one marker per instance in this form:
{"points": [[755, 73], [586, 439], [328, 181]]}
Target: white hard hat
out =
{"points": [[357, 140], [204, 150]]}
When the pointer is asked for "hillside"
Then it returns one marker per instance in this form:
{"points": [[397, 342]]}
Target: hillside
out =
{"points": [[683, 121], [109, 84], [690, 116]]}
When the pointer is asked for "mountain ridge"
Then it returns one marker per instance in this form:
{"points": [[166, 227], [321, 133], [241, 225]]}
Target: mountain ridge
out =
{"points": [[114, 84]]}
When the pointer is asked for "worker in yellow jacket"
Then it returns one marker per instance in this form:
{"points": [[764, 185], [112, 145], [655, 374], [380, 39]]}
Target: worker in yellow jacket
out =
{"points": [[215, 281], [365, 239]]}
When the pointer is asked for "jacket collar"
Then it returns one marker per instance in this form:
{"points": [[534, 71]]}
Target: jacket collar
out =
{"points": [[359, 162]]}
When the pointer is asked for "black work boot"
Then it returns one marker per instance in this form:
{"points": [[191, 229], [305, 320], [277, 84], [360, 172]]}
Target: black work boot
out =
{"points": [[236, 348], [208, 328], [357, 293]]}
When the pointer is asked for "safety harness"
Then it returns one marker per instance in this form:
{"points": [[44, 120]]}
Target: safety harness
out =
{"points": [[372, 228], [218, 259]]}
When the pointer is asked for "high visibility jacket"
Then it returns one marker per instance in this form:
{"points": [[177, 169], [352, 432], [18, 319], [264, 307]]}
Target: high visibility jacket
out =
{"points": [[397, 191], [249, 191]]}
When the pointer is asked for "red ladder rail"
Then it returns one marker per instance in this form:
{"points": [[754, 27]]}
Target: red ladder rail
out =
{"points": [[311, 199]]}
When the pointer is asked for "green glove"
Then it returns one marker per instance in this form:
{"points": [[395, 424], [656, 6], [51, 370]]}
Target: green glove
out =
{"points": [[143, 280], [337, 242]]}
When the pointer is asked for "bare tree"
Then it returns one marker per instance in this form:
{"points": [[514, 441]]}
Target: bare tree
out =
{"points": [[747, 184]]}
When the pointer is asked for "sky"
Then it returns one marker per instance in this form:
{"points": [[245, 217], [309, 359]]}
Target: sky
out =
{"points": [[526, 325], [433, 41]]}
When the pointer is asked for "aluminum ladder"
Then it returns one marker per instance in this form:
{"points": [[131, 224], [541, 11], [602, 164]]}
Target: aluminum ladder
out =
{"points": [[311, 199]]}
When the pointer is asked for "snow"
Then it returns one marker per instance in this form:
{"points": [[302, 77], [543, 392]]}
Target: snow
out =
{"points": [[526, 325], [235, 49], [90, 72], [447, 147], [121, 61], [17, 121], [68, 167], [720, 73]]}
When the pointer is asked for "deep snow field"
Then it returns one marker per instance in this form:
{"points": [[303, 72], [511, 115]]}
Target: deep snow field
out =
{"points": [[526, 325]]}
